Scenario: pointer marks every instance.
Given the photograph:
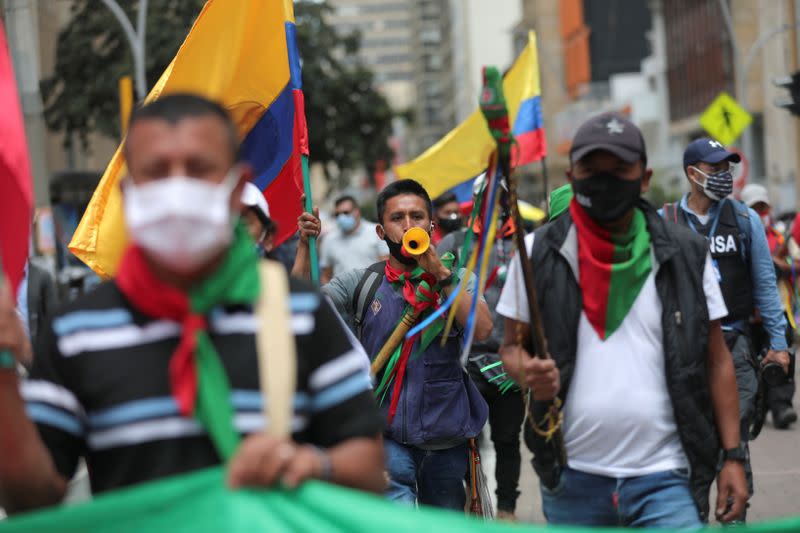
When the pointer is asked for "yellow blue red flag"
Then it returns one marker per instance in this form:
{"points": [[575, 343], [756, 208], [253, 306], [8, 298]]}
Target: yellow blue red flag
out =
{"points": [[464, 152], [243, 55]]}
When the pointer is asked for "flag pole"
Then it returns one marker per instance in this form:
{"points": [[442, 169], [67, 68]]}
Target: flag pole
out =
{"points": [[546, 185], [309, 207]]}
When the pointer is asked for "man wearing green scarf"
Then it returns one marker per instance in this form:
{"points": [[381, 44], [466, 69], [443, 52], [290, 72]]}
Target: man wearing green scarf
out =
{"points": [[631, 310], [155, 372], [430, 405]]}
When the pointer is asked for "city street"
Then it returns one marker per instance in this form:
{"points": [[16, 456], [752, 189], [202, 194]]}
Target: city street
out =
{"points": [[775, 466]]}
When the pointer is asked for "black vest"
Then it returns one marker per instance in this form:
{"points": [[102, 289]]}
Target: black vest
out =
{"points": [[679, 281], [727, 246]]}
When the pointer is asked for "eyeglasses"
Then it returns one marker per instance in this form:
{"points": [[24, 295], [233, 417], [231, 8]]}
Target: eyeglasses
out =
{"points": [[343, 212]]}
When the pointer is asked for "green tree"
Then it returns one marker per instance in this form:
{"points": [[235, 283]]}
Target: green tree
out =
{"points": [[349, 122], [92, 54]]}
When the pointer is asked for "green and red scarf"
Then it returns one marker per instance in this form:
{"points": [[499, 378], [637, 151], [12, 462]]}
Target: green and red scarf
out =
{"points": [[613, 268], [420, 291], [198, 379]]}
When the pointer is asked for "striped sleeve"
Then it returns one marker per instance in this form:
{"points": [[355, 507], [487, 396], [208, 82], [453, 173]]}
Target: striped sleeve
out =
{"points": [[339, 385], [53, 406]]}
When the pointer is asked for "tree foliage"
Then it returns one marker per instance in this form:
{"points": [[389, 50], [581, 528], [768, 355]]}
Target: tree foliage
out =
{"points": [[92, 54], [349, 122]]}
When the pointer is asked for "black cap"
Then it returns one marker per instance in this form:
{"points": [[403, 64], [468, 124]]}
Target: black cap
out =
{"points": [[611, 132], [707, 150]]}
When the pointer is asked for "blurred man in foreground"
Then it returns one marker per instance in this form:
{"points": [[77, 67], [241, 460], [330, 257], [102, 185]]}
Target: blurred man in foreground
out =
{"points": [[155, 372]]}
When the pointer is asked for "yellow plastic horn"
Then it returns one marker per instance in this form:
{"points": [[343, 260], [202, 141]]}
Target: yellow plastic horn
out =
{"points": [[416, 241]]}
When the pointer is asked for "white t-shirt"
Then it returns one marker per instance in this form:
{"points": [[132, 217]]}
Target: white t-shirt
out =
{"points": [[618, 416], [345, 252]]}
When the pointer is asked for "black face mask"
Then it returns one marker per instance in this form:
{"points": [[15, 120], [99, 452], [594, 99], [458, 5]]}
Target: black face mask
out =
{"points": [[449, 225], [607, 197], [396, 249]]}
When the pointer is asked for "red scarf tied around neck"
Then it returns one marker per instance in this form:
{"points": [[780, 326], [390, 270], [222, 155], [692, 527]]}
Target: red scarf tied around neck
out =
{"points": [[157, 299]]}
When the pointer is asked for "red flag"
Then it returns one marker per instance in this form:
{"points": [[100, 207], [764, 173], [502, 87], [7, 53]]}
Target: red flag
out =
{"points": [[16, 196]]}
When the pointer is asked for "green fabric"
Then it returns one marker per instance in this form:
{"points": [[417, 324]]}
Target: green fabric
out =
{"points": [[235, 282], [559, 200], [199, 502], [428, 335], [629, 271]]}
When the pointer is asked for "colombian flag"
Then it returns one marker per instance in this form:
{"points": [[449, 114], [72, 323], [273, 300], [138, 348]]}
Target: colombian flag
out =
{"points": [[276, 144], [242, 54], [463, 153]]}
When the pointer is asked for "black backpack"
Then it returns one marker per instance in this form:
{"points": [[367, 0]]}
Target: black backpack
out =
{"points": [[365, 293]]}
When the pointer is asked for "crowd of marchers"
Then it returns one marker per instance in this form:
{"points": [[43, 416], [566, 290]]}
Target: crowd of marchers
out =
{"points": [[668, 332]]}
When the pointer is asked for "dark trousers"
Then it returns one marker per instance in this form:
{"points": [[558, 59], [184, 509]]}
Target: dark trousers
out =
{"points": [[747, 378], [506, 412]]}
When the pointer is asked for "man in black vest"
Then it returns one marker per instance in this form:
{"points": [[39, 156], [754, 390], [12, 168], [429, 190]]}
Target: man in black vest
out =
{"points": [[630, 309], [743, 266]]}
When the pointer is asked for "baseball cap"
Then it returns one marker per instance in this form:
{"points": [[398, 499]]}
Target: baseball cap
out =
{"points": [[253, 197], [611, 132], [707, 150], [753, 193]]}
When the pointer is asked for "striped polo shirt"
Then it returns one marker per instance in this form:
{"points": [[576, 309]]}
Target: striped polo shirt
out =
{"points": [[100, 388]]}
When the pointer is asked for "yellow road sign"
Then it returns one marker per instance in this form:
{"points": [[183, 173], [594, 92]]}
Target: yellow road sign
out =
{"points": [[725, 119]]}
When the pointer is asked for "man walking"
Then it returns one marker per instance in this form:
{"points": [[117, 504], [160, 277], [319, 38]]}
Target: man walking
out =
{"points": [[155, 372], [430, 405], [742, 264], [353, 244], [630, 310]]}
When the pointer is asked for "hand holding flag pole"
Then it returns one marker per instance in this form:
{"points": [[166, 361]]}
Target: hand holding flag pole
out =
{"points": [[309, 207]]}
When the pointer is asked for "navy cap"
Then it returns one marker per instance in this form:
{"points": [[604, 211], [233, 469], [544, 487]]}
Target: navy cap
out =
{"points": [[707, 150], [610, 132]]}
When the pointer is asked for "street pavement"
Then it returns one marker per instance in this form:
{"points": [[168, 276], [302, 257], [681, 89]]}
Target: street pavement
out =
{"points": [[776, 468]]}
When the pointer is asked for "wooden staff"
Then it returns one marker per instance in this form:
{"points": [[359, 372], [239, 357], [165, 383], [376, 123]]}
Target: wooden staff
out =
{"points": [[493, 107], [394, 340]]}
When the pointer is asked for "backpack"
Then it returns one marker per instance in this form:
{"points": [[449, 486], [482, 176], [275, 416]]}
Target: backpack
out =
{"points": [[670, 213], [365, 293]]}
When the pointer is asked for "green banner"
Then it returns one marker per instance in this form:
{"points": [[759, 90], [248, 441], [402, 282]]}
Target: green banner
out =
{"points": [[201, 502]]}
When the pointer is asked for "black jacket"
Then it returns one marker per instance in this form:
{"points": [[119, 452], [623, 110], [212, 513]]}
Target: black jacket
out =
{"points": [[681, 256], [42, 298]]}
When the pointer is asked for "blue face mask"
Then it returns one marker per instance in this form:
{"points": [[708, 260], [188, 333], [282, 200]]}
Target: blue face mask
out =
{"points": [[346, 223]]}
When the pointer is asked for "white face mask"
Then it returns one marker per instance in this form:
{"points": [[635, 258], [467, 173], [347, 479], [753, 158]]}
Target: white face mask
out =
{"points": [[182, 222]]}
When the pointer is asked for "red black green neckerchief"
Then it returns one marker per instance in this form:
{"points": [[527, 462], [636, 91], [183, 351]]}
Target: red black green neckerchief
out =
{"points": [[420, 291], [198, 379], [613, 268]]}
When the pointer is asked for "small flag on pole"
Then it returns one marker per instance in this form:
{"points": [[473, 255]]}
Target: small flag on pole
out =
{"points": [[462, 154]]}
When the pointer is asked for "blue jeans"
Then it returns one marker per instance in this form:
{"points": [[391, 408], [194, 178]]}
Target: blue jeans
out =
{"points": [[661, 500], [429, 477]]}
